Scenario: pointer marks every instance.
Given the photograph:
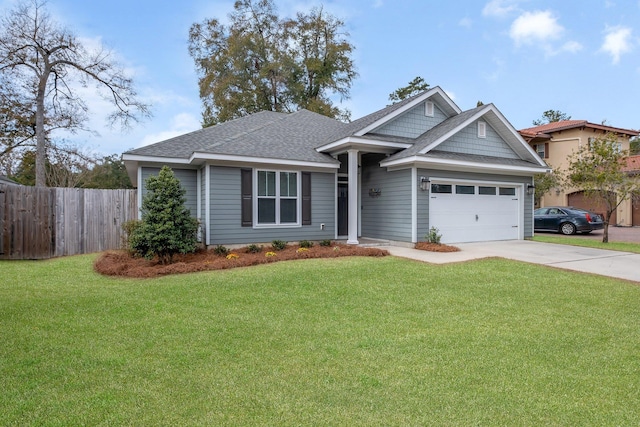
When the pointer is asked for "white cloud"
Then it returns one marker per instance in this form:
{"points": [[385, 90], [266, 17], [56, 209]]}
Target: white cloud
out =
{"points": [[377, 4], [179, 124], [617, 41], [532, 28], [500, 8], [571, 47], [465, 22]]}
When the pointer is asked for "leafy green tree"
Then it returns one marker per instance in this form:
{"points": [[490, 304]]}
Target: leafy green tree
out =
{"points": [[167, 227], [321, 62], [41, 62], [598, 169], [108, 173], [551, 116], [414, 87], [260, 61], [546, 182]]}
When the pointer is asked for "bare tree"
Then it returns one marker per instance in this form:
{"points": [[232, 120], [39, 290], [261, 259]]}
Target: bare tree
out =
{"points": [[44, 61]]}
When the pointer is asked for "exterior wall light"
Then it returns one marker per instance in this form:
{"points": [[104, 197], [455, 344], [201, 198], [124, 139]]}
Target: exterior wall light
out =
{"points": [[531, 189], [424, 183]]}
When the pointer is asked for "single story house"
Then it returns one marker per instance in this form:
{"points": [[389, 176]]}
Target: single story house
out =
{"points": [[391, 175]]}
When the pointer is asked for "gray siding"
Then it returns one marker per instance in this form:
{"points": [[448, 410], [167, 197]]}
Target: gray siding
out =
{"points": [[188, 179], [467, 141], [423, 196], [412, 123], [203, 203], [225, 221], [387, 216]]}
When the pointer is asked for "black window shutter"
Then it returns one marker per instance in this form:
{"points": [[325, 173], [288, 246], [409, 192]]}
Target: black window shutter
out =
{"points": [[306, 198], [246, 188], [546, 150]]}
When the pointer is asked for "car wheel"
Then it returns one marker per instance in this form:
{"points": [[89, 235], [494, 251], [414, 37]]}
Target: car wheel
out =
{"points": [[567, 228]]}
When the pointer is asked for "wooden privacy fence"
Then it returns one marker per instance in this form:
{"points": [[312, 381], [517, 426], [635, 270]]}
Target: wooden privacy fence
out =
{"points": [[37, 223]]}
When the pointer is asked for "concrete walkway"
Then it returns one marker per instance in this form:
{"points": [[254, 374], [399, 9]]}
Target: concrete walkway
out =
{"points": [[622, 265]]}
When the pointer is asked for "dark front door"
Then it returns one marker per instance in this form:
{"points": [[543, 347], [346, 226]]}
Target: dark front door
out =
{"points": [[343, 209]]}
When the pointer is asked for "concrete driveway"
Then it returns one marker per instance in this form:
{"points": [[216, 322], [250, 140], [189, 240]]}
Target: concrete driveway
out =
{"points": [[622, 265]]}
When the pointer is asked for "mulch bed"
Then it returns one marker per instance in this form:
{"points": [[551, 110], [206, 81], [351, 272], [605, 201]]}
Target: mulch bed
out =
{"points": [[436, 247], [120, 263]]}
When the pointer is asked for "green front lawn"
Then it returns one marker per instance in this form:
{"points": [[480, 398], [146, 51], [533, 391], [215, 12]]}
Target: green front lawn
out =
{"points": [[351, 341], [588, 243]]}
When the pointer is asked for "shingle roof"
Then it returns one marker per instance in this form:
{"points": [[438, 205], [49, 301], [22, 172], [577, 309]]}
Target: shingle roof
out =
{"points": [[5, 180], [266, 134]]}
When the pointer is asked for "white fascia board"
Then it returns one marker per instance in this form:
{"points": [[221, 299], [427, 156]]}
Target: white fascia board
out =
{"points": [[517, 135], [349, 142], [408, 106], [155, 159], [260, 160], [461, 164]]}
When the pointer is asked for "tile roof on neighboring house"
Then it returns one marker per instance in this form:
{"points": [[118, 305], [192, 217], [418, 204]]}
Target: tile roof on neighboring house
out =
{"points": [[632, 164], [545, 131]]}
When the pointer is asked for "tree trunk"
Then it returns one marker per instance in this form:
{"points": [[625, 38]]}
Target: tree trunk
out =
{"points": [[605, 232], [41, 155]]}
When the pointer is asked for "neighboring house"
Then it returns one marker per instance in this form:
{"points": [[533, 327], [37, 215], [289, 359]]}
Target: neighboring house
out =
{"points": [[633, 167], [8, 181], [555, 142], [390, 175]]}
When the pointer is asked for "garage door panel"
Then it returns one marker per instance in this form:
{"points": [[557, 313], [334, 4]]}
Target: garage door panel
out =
{"points": [[472, 218]]}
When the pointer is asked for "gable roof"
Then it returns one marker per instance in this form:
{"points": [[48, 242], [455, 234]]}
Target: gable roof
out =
{"points": [[362, 126], [424, 150], [545, 131]]}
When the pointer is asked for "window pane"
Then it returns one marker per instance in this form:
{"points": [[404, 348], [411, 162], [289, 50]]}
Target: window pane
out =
{"points": [[441, 188], [504, 191], [465, 189], [266, 183], [288, 184], [262, 183], [271, 184], [288, 211], [266, 211], [488, 191]]}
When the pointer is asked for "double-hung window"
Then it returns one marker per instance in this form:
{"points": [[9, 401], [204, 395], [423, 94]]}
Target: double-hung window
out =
{"points": [[277, 197]]}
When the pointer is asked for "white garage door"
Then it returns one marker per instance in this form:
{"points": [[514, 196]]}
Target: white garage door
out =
{"points": [[475, 212]]}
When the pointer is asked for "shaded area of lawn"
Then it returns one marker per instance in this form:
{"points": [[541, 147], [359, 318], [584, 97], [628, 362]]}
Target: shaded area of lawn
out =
{"points": [[350, 341]]}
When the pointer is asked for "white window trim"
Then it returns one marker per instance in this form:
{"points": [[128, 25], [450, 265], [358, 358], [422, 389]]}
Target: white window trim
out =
{"points": [[482, 130], [429, 109], [298, 199], [544, 150]]}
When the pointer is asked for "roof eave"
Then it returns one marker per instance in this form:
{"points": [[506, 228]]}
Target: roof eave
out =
{"points": [[362, 144], [462, 165]]}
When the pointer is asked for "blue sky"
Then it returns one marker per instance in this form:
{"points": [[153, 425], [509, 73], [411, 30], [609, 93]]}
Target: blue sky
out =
{"points": [[525, 56]]}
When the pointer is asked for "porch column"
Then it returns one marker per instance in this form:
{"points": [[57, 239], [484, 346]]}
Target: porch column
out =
{"points": [[354, 209]]}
